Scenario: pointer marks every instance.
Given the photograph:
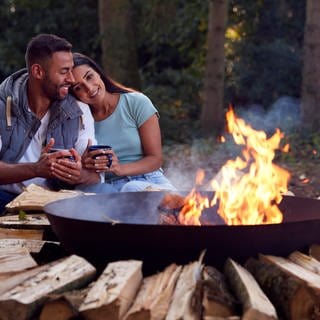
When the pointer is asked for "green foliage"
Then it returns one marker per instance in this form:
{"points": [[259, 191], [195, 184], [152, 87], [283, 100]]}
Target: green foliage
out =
{"points": [[20, 20], [263, 49], [264, 63], [172, 61], [22, 215]]}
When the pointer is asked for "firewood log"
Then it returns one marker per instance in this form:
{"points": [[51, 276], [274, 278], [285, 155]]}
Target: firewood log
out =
{"points": [[7, 233], [33, 246], [12, 279], [24, 299], [305, 261], [255, 303], [29, 221], [113, 292], [64, 306], [217, 298], [186, 301], [290, 295], [153, 298], [222, 318], [35, 197], [15, 259], [314, 251]]}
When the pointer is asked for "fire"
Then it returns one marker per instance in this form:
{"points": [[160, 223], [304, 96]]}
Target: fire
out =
{"points": [[250, 187]]}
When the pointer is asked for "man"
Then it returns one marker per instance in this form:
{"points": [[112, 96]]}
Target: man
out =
{"points": [[36, 113]]}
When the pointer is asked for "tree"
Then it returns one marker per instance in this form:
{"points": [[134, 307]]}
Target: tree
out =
{"points": [[212, 116], [311, 68], [119, 53]]}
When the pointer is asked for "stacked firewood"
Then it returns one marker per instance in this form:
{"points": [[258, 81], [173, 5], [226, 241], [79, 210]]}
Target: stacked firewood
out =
{"points": [[266, 287]]}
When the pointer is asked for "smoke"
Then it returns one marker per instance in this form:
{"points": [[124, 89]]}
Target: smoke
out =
{"points": [[283, 114], [182, 161]]}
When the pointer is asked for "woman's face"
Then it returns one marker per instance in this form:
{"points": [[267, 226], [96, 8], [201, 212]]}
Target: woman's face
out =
{"points": [[88, 86]]}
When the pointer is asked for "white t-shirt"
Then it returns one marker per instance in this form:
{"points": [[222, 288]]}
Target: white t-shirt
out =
{"points": [[33, 151]]}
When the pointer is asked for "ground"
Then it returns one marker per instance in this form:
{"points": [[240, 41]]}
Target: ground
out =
{"points": [[181, 163]]}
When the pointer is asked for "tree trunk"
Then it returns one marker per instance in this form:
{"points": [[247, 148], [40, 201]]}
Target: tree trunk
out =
{"points": [[119, 54], [311, 68], [212, 117]]}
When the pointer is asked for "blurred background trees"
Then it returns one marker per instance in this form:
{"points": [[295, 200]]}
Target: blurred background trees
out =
{"points": [[161, 46]]}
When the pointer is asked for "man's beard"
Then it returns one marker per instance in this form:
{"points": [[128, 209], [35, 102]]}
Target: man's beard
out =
{"points": [[51, 90]]}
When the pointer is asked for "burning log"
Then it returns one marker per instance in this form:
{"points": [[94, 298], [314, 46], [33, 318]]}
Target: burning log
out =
{"points": [[187, 297], [305, 261], [153, 298], [23, 299], [169, 208], [114, 291], [292, 289], [217, 299], [255, 303]]}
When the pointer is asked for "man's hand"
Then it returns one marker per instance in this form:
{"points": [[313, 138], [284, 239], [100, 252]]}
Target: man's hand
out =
{"points": [[67, 166]]}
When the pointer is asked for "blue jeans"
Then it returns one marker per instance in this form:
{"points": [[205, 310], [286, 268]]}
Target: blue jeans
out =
{"points": [[153, 180], [5, 198]]}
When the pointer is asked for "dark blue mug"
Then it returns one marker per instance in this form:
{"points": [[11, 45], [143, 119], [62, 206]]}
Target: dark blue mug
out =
{"points": [[52, 150], [102, 147]]}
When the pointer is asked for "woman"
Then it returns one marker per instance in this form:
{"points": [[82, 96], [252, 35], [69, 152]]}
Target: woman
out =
{"points": [[126, 120]]}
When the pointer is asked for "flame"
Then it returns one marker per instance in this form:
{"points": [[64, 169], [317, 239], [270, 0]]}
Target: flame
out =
{"points": [[249, 187]]}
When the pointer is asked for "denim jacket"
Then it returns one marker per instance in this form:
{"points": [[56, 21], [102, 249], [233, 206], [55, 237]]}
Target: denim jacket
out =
{"points": [[18, 125]]}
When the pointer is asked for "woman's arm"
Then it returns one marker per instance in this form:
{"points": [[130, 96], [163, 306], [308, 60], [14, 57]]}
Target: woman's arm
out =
{"points": [[150, 137]]}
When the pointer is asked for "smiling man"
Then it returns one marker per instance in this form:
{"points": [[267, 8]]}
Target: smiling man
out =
{"points": [[37, 113]]}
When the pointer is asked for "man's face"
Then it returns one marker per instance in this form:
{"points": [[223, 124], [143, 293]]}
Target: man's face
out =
{"points": [[58, 76]]}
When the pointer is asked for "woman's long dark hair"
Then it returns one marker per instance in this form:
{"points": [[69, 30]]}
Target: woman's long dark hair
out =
{"points": [[111, 85]]}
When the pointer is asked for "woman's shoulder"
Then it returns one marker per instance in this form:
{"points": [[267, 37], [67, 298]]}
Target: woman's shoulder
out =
{"points": [[137, 97], [139, 105]]}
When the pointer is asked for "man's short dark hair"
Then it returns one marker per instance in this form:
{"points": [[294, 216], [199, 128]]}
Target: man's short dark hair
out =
{"points": [[42, 46]]}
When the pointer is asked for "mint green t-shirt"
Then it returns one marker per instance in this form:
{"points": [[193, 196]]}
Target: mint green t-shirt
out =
{"points": [[120, 129]]}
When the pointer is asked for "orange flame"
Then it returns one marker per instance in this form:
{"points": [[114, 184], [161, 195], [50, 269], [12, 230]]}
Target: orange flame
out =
{"points": [[249, 187]]}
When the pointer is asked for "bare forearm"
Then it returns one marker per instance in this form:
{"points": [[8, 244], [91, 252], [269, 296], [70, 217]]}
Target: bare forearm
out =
{"points": [[145, 165], [14, 173]]}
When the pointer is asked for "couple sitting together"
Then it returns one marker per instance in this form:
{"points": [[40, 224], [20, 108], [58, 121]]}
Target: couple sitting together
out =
{"points": [[64, 101]]}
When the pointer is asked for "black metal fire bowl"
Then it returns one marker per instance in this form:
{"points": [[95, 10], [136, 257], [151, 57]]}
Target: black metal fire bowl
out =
{"points": [[104, 228]]}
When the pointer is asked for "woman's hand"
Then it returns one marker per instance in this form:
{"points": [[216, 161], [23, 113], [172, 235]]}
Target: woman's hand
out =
{"points": [[99, 160]]}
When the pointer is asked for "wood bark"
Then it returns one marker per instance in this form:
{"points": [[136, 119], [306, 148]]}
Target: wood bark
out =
{"points": [[154, 297], [212, 115], [217, 298], [290, 295], [117, 30], [314, 251], [187, 297], [255, 303], [64, 306], [24, 299], [114, 291], [305, 261], [311, 67]]}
